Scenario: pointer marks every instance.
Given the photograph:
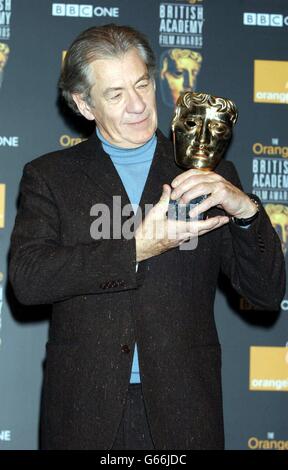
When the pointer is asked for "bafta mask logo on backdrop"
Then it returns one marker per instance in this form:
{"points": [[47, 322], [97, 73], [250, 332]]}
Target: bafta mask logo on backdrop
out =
{"points": [[178, 73], [4, 53], [278, 214]]}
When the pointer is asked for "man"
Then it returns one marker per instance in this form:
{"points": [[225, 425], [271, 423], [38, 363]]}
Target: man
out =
{"points": [[111, 293]]}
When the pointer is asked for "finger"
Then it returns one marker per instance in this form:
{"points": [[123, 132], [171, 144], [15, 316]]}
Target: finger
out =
{"points": [[208, 224], [183, 176], [191, 183], [198, 190], [163, 203], [195, 175], [206, 204], [166, 193], [184, 186], [223, 220]]}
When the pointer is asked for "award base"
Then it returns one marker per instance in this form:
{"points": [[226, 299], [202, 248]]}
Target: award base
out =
{"points": [[181, 211]]}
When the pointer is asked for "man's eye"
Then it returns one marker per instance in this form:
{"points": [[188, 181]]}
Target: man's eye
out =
{"points": [[143, 85], [115, 97]]}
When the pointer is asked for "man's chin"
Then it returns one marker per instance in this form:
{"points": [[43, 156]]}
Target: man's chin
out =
{"points": [[140, 138]]}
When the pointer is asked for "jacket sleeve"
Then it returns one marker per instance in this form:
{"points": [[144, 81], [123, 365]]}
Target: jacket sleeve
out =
{"points": [[43, 271], [253, 260]]}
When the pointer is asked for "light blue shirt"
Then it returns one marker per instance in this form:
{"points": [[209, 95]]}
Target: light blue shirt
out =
{"points": [[133, 167]]}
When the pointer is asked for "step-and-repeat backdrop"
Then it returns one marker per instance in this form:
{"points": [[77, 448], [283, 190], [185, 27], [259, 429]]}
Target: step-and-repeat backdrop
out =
{"points": [[236, 49]]}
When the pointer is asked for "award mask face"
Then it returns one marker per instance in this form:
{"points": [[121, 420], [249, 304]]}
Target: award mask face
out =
{"points": [[179, 70], [202, 128], [4, 52]]}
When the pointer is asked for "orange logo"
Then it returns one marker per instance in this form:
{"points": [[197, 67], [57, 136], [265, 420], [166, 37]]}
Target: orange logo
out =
{"points": [[268, 369], [271, 81]]}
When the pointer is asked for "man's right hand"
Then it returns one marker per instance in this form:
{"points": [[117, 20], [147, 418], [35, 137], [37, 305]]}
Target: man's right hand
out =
{"points": [[157, 234]]}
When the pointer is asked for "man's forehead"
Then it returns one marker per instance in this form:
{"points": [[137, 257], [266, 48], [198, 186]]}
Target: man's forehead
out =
{"points": [[112, 71]]}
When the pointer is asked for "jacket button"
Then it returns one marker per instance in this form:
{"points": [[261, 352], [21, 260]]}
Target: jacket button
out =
{"points": [[125, 348]]}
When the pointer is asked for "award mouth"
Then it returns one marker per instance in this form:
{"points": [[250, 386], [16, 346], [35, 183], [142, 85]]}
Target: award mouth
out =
{"points": [[201, 153]]}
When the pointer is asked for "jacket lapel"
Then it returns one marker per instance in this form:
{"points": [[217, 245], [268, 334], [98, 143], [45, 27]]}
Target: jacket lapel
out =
{"points": [[99, 168], [163, 169]]}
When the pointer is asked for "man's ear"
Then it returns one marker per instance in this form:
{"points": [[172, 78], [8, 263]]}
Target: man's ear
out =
{"points": [[83, 107]]}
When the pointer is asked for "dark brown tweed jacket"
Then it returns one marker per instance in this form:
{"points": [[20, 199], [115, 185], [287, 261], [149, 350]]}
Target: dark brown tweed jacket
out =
{"points": [[101, 306]]}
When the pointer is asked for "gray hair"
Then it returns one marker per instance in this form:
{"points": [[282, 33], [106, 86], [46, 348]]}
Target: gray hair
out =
{"points": [[103, 42]]}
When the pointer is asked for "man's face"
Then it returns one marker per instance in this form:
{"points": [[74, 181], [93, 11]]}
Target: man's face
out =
{"points": [[123, 100], [181, 75], [201, 135]]}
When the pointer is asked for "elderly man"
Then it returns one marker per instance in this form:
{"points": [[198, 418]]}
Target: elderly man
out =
{"points": [[119, 298]]}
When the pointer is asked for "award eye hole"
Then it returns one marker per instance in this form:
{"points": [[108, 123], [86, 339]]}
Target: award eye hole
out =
{"points": [[189, 123], [177, 73], [218, 127]]}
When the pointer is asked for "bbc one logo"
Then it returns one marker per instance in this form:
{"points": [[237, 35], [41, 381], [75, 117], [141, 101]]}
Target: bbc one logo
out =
{"points": [[265, 19], [83, 11]]}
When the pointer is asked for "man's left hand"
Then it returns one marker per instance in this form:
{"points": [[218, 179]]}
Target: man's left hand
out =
{"points": [[193, 183]]}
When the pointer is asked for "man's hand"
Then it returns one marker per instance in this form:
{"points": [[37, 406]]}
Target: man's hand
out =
{"points": [[157, 234], [222, 193]]}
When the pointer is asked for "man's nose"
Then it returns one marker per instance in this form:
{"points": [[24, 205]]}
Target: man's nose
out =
{"points": [[135, 103]]}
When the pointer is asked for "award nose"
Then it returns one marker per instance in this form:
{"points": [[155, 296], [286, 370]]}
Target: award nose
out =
{"points": [[202, 132]]}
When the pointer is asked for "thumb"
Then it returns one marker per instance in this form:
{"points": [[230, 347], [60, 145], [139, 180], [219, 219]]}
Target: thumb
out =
{"points": [[166, 192], [164, 199]]}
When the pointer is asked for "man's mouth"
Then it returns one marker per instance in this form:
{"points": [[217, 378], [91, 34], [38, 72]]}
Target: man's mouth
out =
{"points": [[137, 123]]}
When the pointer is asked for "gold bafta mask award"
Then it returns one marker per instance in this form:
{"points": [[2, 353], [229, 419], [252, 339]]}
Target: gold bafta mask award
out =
{"points": [[202, 128]]}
